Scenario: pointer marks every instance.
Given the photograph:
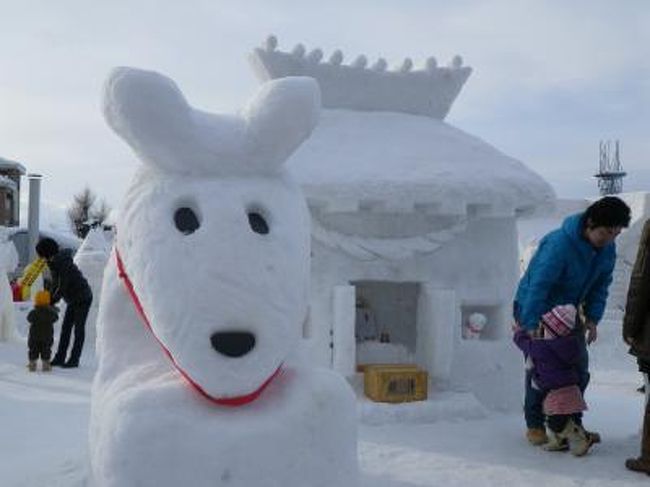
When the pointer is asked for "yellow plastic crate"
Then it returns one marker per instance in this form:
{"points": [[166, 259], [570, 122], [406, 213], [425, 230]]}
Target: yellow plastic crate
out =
{"points": [[363, 367], [395, 383]]}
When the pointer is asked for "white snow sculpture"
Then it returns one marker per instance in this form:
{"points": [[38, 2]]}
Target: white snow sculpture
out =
{"points": [[91, 258], [430, 91], [8, 263], [474, 327], [203, 300]]}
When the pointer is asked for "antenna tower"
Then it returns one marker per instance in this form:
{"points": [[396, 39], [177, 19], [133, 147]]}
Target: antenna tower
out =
{"points": [[610, 174]]}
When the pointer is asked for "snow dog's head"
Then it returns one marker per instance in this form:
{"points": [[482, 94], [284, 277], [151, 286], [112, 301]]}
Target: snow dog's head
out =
{"points": [[213, 234]]}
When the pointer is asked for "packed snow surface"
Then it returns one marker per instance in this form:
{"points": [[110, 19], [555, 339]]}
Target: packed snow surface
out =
{"points": [[44, 419]]}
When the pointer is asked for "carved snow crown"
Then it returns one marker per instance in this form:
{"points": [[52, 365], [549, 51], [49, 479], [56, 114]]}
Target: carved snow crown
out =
{"points": [[429, 91]]}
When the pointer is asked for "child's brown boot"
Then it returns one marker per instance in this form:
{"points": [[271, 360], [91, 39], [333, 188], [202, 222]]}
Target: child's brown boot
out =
{"points": [[31, 366], [46, 366], [578, 438]]}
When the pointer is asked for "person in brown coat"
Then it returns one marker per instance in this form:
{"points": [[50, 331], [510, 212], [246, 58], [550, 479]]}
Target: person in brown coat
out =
{"points": [[636, 333]]}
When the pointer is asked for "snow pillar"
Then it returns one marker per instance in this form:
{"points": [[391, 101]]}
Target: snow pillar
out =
{"points": [[436, 326], [343, 339]]}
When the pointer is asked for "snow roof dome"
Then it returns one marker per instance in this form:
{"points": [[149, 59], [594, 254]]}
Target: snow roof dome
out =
{"points": [[382, 143], [405, 160]]}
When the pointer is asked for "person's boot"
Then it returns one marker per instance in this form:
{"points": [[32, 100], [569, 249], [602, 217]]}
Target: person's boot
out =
{"points": [[536, 436], [556, 443], [642, 463], [71, 364], [46, 366], [578, 438], [638, 465], [31, 366], [593, 435]]}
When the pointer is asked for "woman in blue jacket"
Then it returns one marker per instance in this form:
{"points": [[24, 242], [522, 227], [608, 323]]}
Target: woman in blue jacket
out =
{"points": [[573, 265]]}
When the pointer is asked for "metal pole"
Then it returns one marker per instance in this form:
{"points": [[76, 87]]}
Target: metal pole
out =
{"points": [[33, 214]]}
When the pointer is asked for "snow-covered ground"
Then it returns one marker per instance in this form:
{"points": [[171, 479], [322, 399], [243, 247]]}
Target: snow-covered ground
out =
{"points": [[44, 425]]}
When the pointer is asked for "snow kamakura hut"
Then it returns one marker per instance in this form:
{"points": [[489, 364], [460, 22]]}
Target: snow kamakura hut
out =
{"points": [[413, 220]]}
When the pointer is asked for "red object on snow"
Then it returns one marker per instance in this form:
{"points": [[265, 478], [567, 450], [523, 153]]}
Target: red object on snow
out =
{"points": [[16, 291]]}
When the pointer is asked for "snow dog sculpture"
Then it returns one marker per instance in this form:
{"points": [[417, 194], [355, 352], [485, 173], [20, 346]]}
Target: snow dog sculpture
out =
{"points": [[203, 300]]}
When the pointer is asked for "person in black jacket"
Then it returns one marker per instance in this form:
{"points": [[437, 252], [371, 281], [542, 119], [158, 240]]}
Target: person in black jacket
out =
{"points": [[69, 284]]}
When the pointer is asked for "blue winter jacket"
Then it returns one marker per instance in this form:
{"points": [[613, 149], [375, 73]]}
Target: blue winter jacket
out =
{"points": [[565, 269]]}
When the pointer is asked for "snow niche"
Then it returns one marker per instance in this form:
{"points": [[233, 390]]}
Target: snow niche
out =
{"points": [[203, 300], [8, 263]]}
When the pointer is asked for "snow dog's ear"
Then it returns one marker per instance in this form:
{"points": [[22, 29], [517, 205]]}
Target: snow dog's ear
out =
{"points": [[151, 114], [280, 117]]}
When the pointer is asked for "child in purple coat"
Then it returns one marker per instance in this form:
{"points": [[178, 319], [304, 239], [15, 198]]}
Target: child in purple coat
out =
{"points": [[553, 352]]}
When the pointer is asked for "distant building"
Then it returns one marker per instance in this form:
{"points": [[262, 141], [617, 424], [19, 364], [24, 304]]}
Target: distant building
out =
{"points": [[10, 173]]}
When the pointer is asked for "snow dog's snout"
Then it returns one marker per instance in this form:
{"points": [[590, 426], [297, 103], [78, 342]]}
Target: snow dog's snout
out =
{"points": [[233, 343]]}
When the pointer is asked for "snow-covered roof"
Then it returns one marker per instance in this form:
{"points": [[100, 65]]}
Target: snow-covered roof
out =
{"points": [[394, 160], [7, 164]]}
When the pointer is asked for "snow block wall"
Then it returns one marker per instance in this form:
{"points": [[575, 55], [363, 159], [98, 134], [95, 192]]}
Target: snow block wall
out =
{"points": [[203, 302], [476, 271]]}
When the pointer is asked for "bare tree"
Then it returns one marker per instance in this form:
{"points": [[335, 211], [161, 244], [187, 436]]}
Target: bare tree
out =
{"points": [[100, 213], [84, 214]]}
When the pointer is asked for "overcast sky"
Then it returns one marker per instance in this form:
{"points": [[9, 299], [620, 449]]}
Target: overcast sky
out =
{"points": [[551, 78]]}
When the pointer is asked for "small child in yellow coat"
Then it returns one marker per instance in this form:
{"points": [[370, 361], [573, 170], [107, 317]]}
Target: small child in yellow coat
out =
{"points": [[41, 331]]}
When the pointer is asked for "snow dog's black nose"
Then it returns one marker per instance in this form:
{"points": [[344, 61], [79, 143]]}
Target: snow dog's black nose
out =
{"points": [[233, 343]]}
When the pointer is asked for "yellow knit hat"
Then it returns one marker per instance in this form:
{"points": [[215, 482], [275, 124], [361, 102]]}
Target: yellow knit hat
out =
{"points": [[42, 298]]}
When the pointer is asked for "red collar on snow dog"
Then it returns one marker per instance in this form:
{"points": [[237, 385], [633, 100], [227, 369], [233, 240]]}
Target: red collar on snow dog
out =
{"points": [[226, 401]]}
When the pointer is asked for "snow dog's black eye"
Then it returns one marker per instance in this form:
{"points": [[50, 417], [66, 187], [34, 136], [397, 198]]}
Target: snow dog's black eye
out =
{"points": [[186, 220], [258, 223]]}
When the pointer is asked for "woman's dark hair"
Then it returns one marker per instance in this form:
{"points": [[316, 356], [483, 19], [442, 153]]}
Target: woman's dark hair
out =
{"points": [[609, 211], [47, 248]]}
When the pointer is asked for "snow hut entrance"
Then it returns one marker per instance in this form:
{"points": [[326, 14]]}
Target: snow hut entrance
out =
{"points": [[385, 321]]}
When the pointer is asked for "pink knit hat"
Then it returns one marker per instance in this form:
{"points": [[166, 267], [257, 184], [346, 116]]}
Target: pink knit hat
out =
{"points": [[560, 321]]}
